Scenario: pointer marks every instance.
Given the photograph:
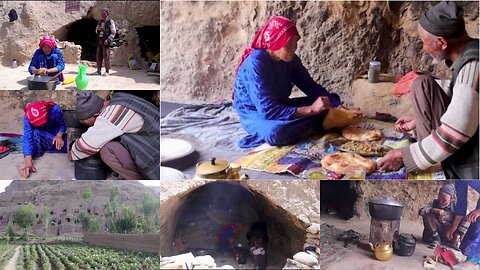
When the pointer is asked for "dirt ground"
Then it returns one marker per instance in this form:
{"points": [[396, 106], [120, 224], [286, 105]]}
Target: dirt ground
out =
{"points": [[121, 78], [13, 261], [362, 258], [49, 167]]}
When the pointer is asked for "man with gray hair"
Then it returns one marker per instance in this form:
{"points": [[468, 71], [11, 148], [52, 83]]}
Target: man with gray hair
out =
{"points": [[105, 34], [445, 121], [125, 130]]}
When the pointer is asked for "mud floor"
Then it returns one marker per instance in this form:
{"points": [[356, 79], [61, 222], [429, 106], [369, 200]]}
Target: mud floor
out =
{"points": [[121, 78]]}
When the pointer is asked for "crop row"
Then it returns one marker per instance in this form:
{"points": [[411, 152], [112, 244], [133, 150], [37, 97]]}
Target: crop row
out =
{"points": [[75, 256]]}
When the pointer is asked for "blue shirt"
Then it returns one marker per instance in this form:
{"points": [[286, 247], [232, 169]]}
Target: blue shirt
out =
{"points": [[41, 60], [263, 87], [55, 123], [461, 188]]}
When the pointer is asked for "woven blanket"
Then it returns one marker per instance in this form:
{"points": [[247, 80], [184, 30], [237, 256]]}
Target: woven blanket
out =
{"points": [[300, 158]]}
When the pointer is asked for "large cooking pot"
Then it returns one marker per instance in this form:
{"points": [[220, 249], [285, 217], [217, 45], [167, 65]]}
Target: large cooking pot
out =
{"points": [[41, 82], [71, 119], [404, 245], [91, 168], [386, 209]]}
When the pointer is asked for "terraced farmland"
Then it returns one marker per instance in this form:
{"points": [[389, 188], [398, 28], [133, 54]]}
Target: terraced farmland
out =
{"points": [[76, 256], [6, 252]]}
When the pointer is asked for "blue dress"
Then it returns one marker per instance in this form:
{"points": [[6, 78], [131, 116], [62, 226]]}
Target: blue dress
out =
{"points": [[41, 60], [470, 245], [261, 97], [37, 140]]}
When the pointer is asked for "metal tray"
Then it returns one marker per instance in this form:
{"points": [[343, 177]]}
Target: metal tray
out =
{"points": [[339, 145]]}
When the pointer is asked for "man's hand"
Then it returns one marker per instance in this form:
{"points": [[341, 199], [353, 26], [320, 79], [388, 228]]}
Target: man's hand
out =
{"points": [[450, 232], [106, 42], [473, 216], [392, 161], [405, 124], [320, 105], [25, 171], [58, 141]]}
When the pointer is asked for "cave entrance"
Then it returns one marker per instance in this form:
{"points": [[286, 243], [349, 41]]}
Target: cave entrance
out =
{"points": [[149, 36], [338, 198], [81, 32], [203, 214]]}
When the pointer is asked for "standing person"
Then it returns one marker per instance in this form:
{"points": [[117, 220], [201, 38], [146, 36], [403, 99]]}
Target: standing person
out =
{"points": [[106, 32], [445, 120], [43, 131], [470, 245]]}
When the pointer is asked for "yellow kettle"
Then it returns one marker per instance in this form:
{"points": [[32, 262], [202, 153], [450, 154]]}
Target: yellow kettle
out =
{"points": [[382, 251]]}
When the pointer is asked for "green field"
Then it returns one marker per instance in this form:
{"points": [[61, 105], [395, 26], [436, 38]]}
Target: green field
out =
{"points": [[75, 256]]}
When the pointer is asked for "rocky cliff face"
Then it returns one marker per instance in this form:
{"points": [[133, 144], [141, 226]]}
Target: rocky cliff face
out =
{"points": [[38, 18], [201, 42], [412, 195], [65, 201]]}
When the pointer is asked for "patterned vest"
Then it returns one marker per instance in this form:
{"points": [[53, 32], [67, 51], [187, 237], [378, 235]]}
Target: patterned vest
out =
{"points": [[144, 145], [463, 164]]}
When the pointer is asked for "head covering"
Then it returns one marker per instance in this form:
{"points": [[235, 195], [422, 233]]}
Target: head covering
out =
{"points": [[105, 9], [37, 112], [444, 20], [88, 104], [49, 41], [449, 189], [273, 35]]}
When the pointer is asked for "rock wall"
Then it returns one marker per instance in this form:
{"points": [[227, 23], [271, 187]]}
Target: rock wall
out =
{"points": [[38, 18], [201, 42], [413, 195], [291, 205], [65, 201], [135, 242]]}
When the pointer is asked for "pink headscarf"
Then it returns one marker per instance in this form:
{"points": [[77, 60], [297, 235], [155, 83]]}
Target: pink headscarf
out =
{"points": [[49, 41], [273, 35]]}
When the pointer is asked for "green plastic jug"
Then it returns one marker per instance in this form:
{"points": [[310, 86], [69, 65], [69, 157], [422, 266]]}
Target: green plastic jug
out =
{"points": [[82, 80]]}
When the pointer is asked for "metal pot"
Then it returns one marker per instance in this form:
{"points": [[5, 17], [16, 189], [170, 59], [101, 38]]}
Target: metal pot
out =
{"points": [[41, 83], [405, 245], [386, 209], [382, 251], [217, 169]]}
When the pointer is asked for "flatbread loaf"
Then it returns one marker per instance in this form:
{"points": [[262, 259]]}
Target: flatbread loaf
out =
{"points": [[344, 163], [340, 118], [362, 134]]}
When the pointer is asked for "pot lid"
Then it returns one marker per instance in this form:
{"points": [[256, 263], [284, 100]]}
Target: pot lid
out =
{"points": [[409, 238], [386, 201], [212, 166]]}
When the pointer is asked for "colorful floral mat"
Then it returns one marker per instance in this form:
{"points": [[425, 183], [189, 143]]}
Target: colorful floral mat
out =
{"points": [[301, 158]]}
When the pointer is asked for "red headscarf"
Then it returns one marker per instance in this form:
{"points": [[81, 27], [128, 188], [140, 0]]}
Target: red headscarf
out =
{"points": [[37, 112], [49, 41], [275, 34]]}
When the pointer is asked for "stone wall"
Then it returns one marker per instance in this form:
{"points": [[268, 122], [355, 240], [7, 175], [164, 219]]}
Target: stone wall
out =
{"points": [[136, 242], [291, 205], [201, 42], [413, 195]]}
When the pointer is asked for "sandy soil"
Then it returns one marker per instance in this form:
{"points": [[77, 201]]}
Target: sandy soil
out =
{"points": [[363, 257], [121, 78], [49, 167], [11, 265]]}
